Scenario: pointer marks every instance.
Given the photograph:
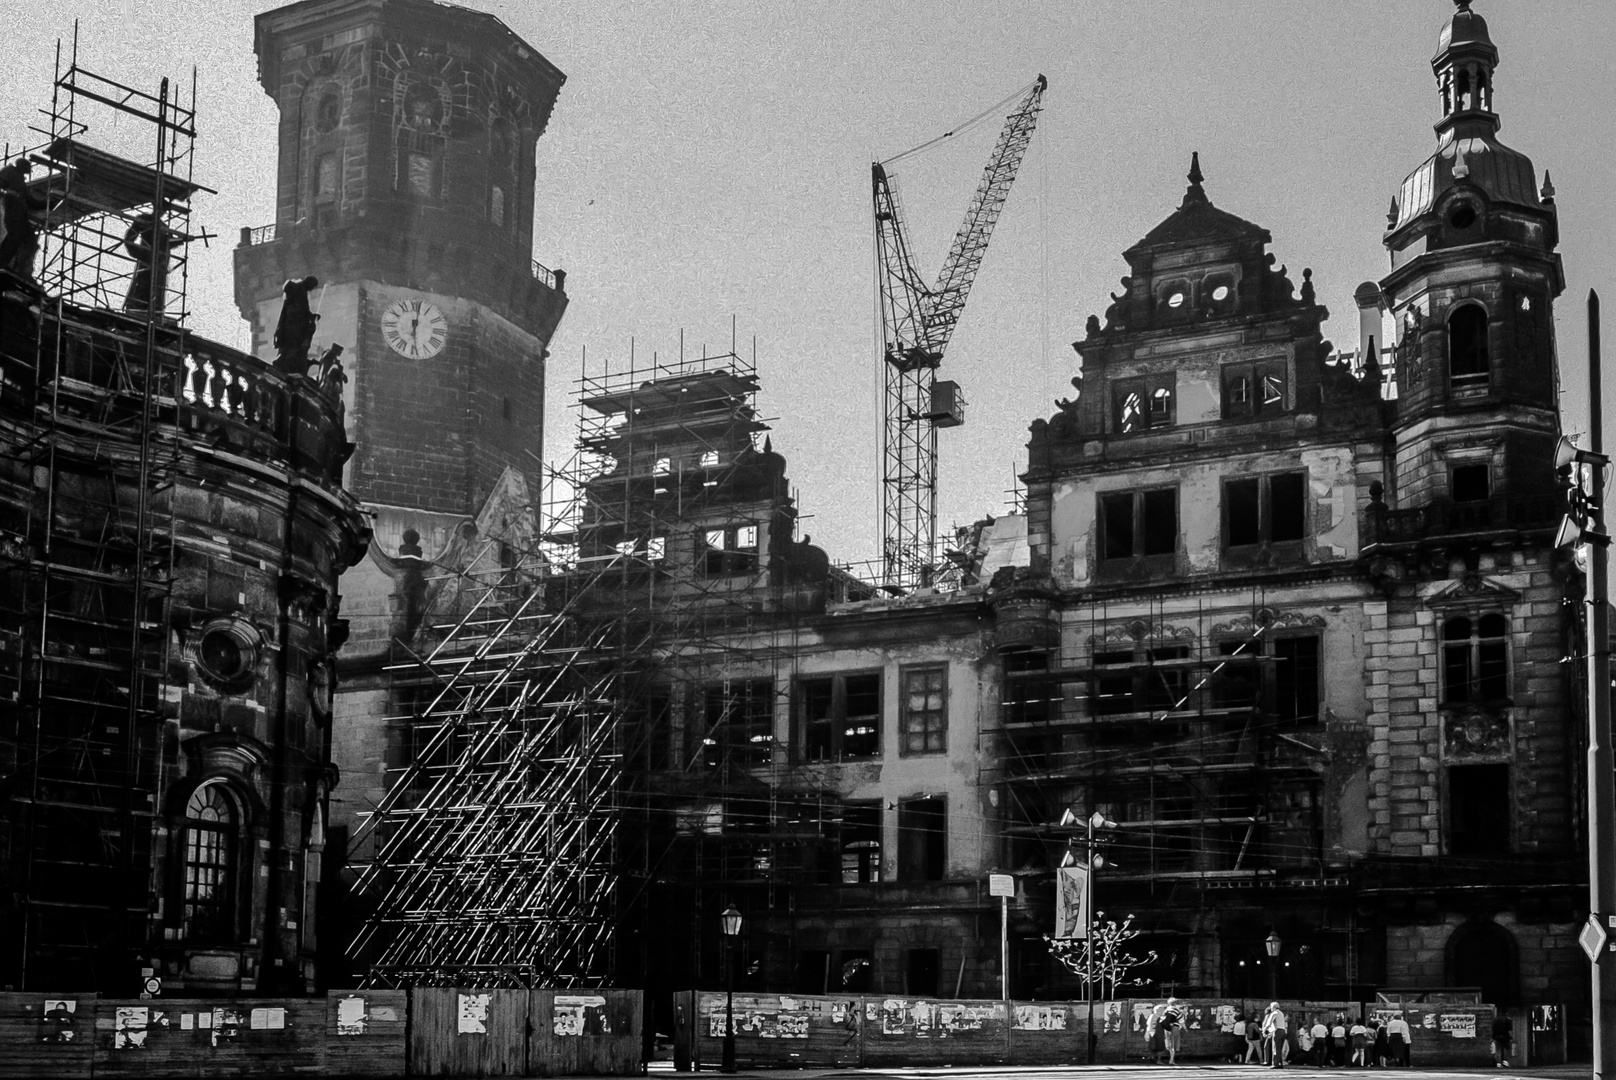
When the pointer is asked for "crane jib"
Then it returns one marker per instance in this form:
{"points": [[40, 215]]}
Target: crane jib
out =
{"points": [[916, 325]]}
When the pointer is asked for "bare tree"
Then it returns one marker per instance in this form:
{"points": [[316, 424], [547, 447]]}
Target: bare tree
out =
{"points": [[1112, 962]]}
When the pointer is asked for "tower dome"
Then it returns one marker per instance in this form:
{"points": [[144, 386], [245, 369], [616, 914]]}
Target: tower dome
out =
{"points": [[1465, 28]]}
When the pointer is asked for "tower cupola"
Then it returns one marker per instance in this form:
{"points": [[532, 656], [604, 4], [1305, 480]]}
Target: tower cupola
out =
{"points": [[1464, 64]]}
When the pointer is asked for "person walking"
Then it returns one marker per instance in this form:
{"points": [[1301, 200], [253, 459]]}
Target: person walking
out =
{"points": [[1153, 1034], [1275, 1034], [1360, 1042], [1172, 1025], [1397, 1041], [1237, 1050], [1254, 1040], [1338, 1041], [1503, 1040], [1379, 1052], [1321, 1041], [1304, 1040]]}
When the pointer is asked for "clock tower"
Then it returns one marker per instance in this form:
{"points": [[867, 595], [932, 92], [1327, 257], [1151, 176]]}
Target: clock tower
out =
{"points": [[405, 185]]}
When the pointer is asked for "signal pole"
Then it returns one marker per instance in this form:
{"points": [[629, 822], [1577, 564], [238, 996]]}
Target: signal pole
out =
{"points": [[1601, 763]]}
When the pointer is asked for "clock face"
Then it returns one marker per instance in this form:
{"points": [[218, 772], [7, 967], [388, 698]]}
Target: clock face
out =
{"points": [[415, 328]]}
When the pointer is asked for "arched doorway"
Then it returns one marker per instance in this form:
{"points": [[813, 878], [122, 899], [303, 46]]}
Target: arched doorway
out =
{"points": [[1482, 953]]}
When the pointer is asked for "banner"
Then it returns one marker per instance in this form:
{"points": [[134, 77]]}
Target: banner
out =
{"points": [[1071, 903]]}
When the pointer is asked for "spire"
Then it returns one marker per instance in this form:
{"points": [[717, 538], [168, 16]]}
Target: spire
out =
{"points": [[1391, 215], [1195, 193], [1548, 188]]}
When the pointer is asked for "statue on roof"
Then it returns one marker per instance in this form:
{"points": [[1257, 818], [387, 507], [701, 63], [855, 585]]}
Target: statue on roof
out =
{"points": [[148, 243], [294, 330], [19, 239]]}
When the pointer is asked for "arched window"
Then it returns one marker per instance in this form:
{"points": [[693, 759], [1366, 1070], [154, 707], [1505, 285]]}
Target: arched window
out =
{"points": [[1467, 347], [1475, 659], [212, 851]]}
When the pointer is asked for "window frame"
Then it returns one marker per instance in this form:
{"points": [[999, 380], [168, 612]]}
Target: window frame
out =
{"points": [[1255, 375], [933, 732], [1149, 389], [919, 858], [837, 718], [211, 866], [1258, 683], [755, 701], [860, 856], [1138, 527], [1478, 653], [1266, 515], [1477, 353], [730, 556]]}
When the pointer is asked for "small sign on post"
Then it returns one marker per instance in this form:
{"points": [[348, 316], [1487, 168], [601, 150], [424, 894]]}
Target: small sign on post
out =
{"points": [[1004, 887], [1593, 938], [1001, 885]]}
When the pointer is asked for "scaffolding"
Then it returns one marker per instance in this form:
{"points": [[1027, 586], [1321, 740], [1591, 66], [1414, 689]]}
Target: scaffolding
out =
{"points": [[94, 355], [607, 694]]}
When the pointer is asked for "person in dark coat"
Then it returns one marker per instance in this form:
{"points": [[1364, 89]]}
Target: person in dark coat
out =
{"points": [[1503, 1039], [148, 244], [294, 331], [18, 241]]}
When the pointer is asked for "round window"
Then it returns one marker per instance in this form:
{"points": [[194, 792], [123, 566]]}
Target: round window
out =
{"points": [[226, 651], [1221, 293], [1175, 300], [1463, 216]]}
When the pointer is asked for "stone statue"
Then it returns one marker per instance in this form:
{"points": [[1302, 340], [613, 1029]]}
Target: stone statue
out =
{"points": [[294, 332]]}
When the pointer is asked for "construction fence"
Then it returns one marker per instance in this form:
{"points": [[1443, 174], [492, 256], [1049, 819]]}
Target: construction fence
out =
{"points": [[425, 1031], [854, 1031]]}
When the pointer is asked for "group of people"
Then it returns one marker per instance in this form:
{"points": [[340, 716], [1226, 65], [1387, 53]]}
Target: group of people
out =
{"points": [[1273, 1040]]}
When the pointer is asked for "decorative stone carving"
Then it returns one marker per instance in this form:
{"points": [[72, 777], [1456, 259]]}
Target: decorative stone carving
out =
{"points": [[1142, 630], [1474, 732]]}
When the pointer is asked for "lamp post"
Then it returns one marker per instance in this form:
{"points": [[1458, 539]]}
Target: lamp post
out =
{"points": [[1272, 944], [1096, 820], [730, 923]]}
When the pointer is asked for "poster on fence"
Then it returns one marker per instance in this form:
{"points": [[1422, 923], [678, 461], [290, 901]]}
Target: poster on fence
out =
{"points": [[1459, 1025], [473, 1014], [351, 1016], [580, 1014], [129, 1027], [1040, 1018], [58, 1020]]}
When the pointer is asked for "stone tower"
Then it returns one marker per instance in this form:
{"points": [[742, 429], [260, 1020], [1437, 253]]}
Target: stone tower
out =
{"points": [[405, 184]]}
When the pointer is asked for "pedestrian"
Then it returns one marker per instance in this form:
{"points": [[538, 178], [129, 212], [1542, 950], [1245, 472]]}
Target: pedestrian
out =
{"points": [[1397, 1041], [1380, 1042], [1237, 1051], [1321, 1041], [1304, 1040], [1153, 1034], [1275, 1030], [1503, 1040], [1338, 1041], [1360, 1043], [1172, 1025], [1254, 1039]]}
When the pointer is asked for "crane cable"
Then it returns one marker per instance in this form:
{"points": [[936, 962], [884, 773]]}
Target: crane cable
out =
{"points": [[996, 108]]}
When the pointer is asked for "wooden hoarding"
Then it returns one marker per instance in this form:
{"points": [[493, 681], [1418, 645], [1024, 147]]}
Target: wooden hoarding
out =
{"points": [[209, 1037], [801, 1031], [922, 1031], [366, 1032], [459, 1032], [47, 1034], [586, 1032]]}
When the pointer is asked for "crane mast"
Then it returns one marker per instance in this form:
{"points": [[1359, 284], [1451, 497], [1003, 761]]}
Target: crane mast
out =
{"points": [[916, 323]]}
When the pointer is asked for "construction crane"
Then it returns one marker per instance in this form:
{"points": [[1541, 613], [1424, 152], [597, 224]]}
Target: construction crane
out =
{"points": [[916, 323]]}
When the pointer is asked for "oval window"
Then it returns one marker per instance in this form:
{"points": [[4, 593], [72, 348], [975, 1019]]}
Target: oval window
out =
{"points": [[1463, 216], [1221, 293], [227, 651], [1175, 300]]}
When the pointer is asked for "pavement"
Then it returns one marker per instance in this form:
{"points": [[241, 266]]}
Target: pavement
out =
{"points": [[1143, 1071]]}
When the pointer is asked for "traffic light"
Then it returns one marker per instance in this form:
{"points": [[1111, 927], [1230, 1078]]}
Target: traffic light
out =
{"points": [[1581, 475]]}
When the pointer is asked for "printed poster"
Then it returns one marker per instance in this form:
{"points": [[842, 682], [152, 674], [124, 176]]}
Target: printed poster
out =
{"points": [[473, 1014], [58, 1020], [580, 1014], [1459, 1025], [1040, 1018], [129, 1027], [1071, 903], [268, 1019], [351, 1016]]}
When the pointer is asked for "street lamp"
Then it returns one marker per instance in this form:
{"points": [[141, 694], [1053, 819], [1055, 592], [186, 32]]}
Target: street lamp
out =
{"points": [[730, 923], [1096, 820], [1272, 944]]}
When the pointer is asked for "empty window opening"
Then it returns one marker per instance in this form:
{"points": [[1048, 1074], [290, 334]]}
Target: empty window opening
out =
{"points": [[1463, 216], [421, 172], [325, 184], [1265, 510], [839, 717], [1027, 700], [859, 844], [656, 548], [920, 973], [925, 710], [922, 839], [1240, 390], [1478, 809], [662, 466], [1139, 523], [496, 205], [1467, 347], [740, 723], [1296, 679], [505, 408], [1475, 659], [1471, 483], [856, 973], [709, 459], [730, 550], [1113, 683], [1252, 389]]}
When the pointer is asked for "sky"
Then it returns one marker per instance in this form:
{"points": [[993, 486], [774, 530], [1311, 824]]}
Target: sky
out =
{"points": [[707, 165]]}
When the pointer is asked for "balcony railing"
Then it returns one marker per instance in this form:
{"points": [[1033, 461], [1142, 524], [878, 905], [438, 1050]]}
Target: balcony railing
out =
{"points": [[252, 236], [1445, 518]]}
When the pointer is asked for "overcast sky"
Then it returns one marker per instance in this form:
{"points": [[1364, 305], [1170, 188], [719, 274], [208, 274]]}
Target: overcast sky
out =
{"points": [[710, 161]]}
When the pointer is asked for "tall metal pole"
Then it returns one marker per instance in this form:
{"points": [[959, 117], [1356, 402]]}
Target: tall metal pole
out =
{"points": [[1088, 931], [1601, 764], [1004, 949], [727, 1065]]}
